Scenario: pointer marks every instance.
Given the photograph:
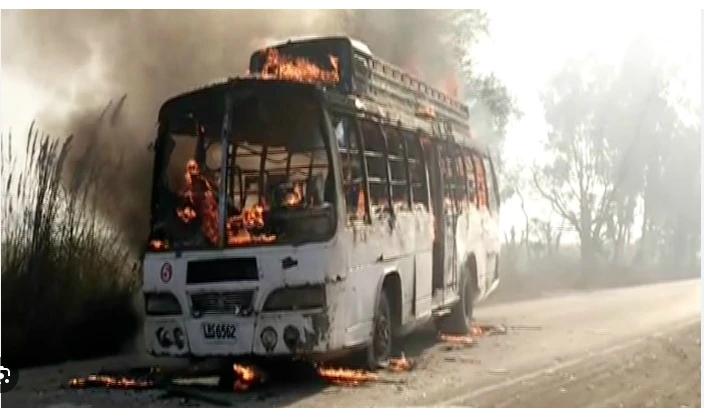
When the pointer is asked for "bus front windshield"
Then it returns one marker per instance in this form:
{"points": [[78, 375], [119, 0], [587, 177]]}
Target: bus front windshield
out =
{"points": [[278, 187]]}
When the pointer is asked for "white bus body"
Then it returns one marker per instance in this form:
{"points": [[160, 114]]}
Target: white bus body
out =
{"points": [[330, 296]]}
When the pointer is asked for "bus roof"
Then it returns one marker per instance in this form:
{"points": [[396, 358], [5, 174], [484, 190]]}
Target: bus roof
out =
{"points": [[365, 76]]}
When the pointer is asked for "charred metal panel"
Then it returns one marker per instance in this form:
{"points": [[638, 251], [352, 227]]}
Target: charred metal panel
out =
{"points": [[373, 250]]}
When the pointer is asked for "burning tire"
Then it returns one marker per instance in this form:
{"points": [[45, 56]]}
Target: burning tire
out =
{"points": [[459, 321], [379, 350]]}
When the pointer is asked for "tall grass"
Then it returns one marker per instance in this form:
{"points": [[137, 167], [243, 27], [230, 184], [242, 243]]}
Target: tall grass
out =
{"points": [[68, 281]]}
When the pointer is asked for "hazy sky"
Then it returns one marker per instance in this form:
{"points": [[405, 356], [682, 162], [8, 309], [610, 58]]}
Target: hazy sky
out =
{"points": [[524, 49]]}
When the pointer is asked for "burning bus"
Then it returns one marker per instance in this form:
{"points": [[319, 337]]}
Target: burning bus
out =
{"points": [[327, 202]]}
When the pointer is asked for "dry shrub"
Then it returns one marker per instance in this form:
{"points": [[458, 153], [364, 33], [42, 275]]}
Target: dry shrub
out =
{"points": [[68, 279]]}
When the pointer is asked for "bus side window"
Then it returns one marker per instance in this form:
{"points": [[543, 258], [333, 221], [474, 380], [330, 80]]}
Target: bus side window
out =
{"points": [[400, 191], [374, 147], [417, 169], [480, 172], [455, 188], [458, 175], [471, 179], [491, 185], [345, 131]]}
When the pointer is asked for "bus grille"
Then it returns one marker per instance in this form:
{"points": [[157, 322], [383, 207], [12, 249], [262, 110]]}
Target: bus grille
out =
{"points": [[222, 303]]}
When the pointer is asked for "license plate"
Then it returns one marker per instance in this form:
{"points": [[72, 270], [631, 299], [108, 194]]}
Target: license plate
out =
{"points": [[219, 331]]}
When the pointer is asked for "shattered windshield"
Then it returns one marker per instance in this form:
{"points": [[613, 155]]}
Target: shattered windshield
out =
{"points": [[275, 174]]}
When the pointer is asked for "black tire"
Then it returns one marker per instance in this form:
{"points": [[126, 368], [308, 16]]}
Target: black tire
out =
{"points": [[381, 345], [459, 321]]}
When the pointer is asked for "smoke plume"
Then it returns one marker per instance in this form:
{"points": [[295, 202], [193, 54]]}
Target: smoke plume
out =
{"points": [[149, 56]]}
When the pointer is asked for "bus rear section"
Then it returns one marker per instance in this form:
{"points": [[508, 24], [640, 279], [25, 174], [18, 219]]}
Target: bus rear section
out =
{"points": [[243, 213]]}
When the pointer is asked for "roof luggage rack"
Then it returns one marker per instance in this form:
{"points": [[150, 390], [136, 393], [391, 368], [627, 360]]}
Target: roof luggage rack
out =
{"points": [[370, 78]]}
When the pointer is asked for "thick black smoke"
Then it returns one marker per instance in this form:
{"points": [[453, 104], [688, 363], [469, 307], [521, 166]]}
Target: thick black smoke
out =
{"points": [[150, 56]]}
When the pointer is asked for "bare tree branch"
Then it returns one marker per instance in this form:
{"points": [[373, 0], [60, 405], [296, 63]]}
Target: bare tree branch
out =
{"points": [[556, 202]]}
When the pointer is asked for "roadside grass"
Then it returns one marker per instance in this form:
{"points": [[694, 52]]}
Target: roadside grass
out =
{"points": [[68, 280]]}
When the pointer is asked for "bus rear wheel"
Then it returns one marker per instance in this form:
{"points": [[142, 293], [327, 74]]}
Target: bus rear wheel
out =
{"points": [[459, 321], [379, 349]]}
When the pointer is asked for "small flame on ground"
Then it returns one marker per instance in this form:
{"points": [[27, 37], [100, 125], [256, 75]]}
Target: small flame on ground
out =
{"points": [[398, 365], [457, 339], [246, 377], [110, 382], [483, 329], [346, 377], [476, 331]]}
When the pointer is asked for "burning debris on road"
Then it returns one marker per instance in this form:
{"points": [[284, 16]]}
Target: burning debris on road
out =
{"points": [[247, 377], [470, 339], [467, 341], [138, 379], [109, 381], [349, 377]]}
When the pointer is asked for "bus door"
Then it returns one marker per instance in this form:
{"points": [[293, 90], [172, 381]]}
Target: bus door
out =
{"points": [[451, 212], [443, 246]]}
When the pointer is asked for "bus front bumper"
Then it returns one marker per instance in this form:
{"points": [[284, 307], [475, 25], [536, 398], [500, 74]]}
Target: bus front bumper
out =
{"points": [[270, 334]]}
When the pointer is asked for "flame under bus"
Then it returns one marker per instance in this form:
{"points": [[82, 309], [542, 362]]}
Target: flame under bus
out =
{"points": [[284, 204]]}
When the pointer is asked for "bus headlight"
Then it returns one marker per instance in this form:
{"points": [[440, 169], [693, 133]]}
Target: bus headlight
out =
{"points": [[269, 338], [161, 304], [296, 298]]}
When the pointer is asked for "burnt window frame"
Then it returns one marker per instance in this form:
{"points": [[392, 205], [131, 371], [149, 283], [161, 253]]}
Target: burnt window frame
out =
{"points": [[373, 154], [402, 160], [358, 154], [457, 181], [231, 149], [478, 160], [413, 142], [494, 200], [470, 175]]}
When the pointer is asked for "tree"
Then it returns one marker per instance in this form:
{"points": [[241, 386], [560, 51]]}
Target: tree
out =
{"points": [[611, 131], [577, 180]]}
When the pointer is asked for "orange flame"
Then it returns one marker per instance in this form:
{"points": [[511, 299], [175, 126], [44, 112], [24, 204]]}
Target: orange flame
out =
{"points": [[346, 377], [110, 382], [487, 329], [246, 377], [157, 245], [201, 198], [298, 69], [293, 198], [456, 339], [426, 112], [476, 331], [398, 365]]}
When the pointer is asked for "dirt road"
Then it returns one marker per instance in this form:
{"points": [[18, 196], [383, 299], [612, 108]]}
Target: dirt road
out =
{"points": [[623, 348]]}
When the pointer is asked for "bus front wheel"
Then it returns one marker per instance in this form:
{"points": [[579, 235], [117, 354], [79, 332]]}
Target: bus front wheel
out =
{"points": [[379, 349]]}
